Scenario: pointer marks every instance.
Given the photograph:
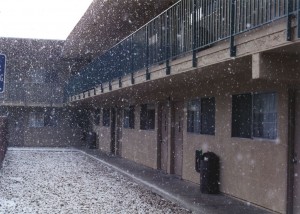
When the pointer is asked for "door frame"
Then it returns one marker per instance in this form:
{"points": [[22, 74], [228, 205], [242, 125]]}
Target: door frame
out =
{"points": [[112, 131], [172, 143], [162, 105], [291, 149], [118, 131]]}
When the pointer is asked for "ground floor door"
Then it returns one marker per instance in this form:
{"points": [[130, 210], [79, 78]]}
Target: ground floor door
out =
{"points": [[17, 127], [164, 137], [177, 137], [113, 131], [296, 190], [119, 125]]}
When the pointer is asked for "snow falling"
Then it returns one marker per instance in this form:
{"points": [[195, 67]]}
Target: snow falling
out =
{"points": [[69, 182]]}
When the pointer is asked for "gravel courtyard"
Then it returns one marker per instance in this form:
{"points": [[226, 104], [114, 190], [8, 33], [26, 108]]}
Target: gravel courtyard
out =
{"points": [[44, 181]]}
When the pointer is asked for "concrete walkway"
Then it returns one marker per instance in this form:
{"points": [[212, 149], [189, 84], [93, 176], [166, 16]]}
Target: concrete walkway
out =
{"points": [[184, 193]]}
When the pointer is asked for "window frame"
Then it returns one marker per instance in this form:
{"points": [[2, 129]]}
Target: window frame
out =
{"points": [[51, 118], [252, 136], [131, 117], [33, 121], [147, 124], [200, 125], [106, 117], [97, 117]]}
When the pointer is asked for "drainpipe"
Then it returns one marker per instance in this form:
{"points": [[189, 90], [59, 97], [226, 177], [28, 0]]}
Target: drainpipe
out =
{"points": [[290, 151]]}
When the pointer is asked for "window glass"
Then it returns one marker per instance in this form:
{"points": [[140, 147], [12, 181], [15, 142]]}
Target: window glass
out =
{"points": [[36, 119], [128, 119], [193, 116], [97, 117], [264, 116], [208, 116], [106, 117], [36, 76], [50, 118], [241, 115], [147, 117], [254, 115]]}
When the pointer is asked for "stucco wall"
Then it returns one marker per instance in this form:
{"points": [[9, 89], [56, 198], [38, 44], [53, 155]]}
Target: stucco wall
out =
{"points": [[140, 145], [251, 169]]}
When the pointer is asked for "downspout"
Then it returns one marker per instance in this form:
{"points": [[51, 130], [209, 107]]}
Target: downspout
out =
{"points": [[290, 150]]}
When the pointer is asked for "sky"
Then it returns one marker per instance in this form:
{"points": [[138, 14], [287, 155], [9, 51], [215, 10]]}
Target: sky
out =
{"points": [[40, 19]]}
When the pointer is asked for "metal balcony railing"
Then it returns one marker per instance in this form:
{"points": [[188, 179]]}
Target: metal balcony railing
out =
{"points": [[187, 26]]}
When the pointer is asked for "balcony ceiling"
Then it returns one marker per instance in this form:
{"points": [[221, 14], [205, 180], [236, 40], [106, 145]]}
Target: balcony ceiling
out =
{"points": [[106, 22]]}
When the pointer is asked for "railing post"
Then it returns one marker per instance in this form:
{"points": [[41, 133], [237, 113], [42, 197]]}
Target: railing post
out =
{"points": [[109, 85], [289, 20], [232, 27], [132, 78], [131, 54], [147, 53], [120, 82], [194, 34], [168, 45]]}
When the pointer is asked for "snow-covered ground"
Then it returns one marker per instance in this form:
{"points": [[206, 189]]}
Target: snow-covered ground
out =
{"points": [[70, 182]]}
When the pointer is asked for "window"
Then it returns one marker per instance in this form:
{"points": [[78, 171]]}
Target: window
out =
{"points": [[36, 119], [50, 118], [51, 77], [97, 117], [193, 116], [36, 76], [241, 115], [106, 117], [147, 120], [128, 119], [201, 116], [208, 116], [264, 116], [254, 115]]}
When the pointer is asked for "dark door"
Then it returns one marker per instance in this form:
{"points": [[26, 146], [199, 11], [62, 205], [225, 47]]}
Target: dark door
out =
{"points": [[113, 131], [177, 123], [164, 141], [119, 121], [296, 200]]}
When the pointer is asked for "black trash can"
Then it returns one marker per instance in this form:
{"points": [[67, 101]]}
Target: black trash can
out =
{"points": [[209, 173]]}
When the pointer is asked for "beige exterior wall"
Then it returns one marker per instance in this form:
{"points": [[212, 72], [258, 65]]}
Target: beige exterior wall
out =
{"points": [[103, 135], [254, 170], [136, 145], [140, 145], [104, 138]]}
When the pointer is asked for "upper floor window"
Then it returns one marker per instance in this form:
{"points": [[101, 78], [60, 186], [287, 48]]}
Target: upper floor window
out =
{"points": [[36, 76], [147, 117], [106, 117], [51, 77], [254, 115], [128, 119], [201, 116]]}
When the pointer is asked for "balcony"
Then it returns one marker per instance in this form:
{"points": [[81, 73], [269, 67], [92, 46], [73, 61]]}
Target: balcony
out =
{"points": [[185, 29]]}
